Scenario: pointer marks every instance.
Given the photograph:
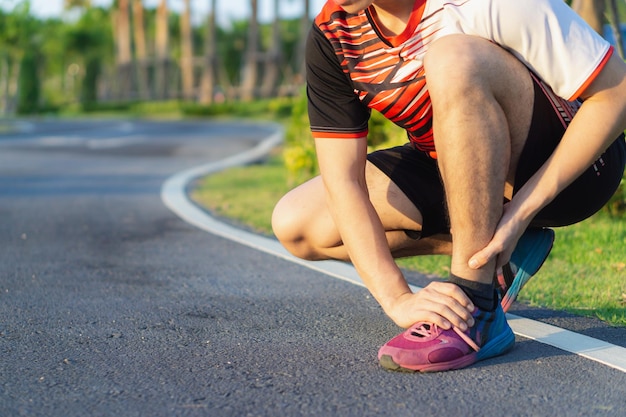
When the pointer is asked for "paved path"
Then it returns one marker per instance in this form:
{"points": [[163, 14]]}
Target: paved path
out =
{"points": [[111, 304]]}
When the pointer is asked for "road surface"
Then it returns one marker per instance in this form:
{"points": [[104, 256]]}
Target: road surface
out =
{"points": [[113, 304]]}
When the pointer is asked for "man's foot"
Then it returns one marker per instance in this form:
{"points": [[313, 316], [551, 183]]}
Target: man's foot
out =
{"points": [[424, 347], [530, 253]]}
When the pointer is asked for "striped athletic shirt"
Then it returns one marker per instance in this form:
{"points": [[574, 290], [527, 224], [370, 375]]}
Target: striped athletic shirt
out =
{"points": [[353, 68]]}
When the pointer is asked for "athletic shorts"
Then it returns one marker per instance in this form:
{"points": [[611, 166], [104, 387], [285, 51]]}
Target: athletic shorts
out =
{"points": [[417, 175]]}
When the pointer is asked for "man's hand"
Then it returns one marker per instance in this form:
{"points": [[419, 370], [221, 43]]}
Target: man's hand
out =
{"points": [[503, 242], [440, 303]]}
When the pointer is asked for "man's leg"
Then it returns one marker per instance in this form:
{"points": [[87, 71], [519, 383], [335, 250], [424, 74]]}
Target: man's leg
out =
{"points": [[303, 224], [482, 101]]}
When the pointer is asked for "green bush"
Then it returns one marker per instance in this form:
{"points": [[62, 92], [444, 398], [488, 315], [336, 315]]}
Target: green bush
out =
{"points": [[28, 84], [203, 110], [299, 151], [107, 107], [89, 91]]}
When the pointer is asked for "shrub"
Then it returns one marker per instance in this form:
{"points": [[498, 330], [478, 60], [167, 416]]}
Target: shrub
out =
{"points": [[28, 84], [89, 91], [299, 151]]}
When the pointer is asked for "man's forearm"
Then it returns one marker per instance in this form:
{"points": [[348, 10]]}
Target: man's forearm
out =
{"points": [[599, 121], [364, 237]]}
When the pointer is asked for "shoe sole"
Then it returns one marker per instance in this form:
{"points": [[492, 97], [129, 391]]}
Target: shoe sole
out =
{"points": [[496, 347], [531, 252]]}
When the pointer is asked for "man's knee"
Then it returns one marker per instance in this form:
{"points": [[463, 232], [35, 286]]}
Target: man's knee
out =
{"points": [[456, 61], [468, 76], [285, 223], [474, 66], [288, 227]]}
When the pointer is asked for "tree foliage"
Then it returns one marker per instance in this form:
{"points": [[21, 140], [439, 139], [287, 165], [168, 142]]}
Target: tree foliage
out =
{"points": [[29, 83], [75, 56]]}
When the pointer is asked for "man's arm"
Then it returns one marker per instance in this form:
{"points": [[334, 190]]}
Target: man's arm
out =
{"points": [[342, 166], [599, 121]]}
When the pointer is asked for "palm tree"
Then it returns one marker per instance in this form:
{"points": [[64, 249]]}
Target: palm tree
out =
{"points": [[250, 72], [186, 47], [305, 26], [121, 34], [139, 36], [15, 39], [273, 57], [161, 48], [617, 33], [594, 11], [209, 75]]}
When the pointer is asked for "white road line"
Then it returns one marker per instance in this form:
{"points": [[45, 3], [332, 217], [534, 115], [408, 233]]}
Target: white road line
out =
{"points": [[77, 141], [114, 142], [175, 198]]}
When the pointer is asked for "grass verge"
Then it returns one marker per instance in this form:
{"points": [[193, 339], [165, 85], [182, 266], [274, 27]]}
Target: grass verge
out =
{"points": [[585, 274]]}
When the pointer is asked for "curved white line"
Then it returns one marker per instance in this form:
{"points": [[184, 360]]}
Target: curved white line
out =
{"points": [[174, 195]]}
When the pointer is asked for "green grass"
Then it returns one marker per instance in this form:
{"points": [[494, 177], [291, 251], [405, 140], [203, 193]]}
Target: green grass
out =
{"points": [[585, 274], [586, 271], [246, 195]]}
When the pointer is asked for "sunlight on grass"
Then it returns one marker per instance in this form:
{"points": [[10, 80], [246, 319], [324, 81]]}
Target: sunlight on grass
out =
{"points": [[246, 195], [586, 271]]}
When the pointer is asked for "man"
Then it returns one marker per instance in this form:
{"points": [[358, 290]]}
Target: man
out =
{"points": [[488, 93]]}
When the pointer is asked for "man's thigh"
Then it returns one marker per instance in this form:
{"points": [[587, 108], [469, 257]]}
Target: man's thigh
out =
{"points": [[591, 190], [303, 213], [413, 176]]}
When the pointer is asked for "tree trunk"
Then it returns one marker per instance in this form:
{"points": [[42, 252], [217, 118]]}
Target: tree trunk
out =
{"points": [[273, 58], [161, 48], [12, 86], [186, 47], [305, 27], [121, 31], [4, 85], [592, 11], [615, 25], [250, 73], [140, 48], [209, 76]]}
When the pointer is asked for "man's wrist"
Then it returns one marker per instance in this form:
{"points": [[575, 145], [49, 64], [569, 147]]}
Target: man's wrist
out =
{"points": [[389, 301]]}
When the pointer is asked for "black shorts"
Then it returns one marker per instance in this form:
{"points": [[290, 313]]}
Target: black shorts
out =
{"points": [[417, 175]]}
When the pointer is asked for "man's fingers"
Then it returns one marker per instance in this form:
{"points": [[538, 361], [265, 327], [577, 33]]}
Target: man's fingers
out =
{"points": [[450, 290], [480, 258], [449, 302]]}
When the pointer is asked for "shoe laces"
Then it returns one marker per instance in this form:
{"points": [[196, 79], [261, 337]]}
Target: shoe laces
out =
{"points": [[431, 329], [425, 330]]}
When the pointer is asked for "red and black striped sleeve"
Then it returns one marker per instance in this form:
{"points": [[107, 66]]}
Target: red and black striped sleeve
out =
{"points": [[335, 111]]}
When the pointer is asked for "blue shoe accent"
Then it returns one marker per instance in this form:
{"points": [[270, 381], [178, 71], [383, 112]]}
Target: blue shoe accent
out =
{"points": [[529, 255], [497, 336]]}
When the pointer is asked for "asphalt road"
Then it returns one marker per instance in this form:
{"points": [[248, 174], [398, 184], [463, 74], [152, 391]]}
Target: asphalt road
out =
{"points": [[111, 304]]}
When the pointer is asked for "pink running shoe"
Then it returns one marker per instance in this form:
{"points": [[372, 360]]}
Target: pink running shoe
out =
{"points": [[425, 347]]}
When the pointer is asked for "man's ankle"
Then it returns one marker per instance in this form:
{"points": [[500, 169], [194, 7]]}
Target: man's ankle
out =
{"points": [[482, 295]]}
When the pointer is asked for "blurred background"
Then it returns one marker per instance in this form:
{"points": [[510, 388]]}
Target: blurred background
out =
{"points": [[81, 54], [59, 56]]}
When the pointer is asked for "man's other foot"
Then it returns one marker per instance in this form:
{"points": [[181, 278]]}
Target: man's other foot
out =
{"points": [[529, 255]]}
